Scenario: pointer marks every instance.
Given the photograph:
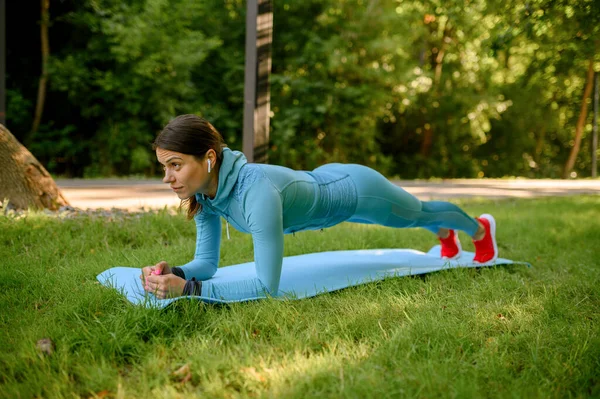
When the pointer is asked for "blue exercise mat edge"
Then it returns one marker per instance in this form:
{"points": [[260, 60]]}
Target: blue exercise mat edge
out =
{"points": [[307, 275]]}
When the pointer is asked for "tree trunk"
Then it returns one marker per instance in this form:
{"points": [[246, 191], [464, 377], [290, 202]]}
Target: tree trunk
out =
{"points": [[581, 121], [540, 143], [2, 62], [438, 64], [427, 141], [23, 180], [39, 108], [595, 125], [257, 97]]}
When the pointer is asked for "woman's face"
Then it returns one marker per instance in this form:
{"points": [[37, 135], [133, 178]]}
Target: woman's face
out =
{"points": [[186, 174]]}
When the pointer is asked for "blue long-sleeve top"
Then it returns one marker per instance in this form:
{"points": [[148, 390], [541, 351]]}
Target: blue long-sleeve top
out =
{"points": [[266, 201]]}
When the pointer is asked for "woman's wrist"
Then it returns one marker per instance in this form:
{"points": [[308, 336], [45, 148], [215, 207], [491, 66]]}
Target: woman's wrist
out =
{"points": [[192, 287], [178, 272]]}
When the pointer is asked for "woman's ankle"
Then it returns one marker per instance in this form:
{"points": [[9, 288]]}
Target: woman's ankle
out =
{"points": [[480, 233]]}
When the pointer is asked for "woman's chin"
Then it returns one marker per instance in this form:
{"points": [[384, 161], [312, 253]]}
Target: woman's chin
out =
{"points": [[183, 196]]}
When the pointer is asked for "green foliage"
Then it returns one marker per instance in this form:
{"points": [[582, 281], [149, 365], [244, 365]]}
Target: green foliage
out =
{"points": [[414, 88], [493, 332], [545, 51], [56, 144], [134, 74], [328, 91], [17, 107]]}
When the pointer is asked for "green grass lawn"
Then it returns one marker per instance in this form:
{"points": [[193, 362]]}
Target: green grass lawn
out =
{"points": [[492, 332]]}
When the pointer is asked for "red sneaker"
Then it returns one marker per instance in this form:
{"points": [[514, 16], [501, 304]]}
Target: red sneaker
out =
{"points": [[451, 248], [486, 249]]}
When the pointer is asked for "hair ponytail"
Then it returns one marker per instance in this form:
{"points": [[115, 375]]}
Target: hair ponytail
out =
{"points": [[192, 207]]}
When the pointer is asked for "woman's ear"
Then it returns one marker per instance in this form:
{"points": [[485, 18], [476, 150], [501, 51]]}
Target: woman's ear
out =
{"points": [[211, 155]]}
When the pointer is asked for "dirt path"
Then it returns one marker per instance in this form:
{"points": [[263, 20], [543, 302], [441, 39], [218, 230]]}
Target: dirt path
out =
{"points": [[152, 194]]}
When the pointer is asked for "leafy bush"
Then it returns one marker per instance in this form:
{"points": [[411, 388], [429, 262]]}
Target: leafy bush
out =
{"points": [[416, 89]]}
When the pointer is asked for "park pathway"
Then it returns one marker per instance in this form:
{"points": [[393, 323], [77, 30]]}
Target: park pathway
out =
{"points": [[152, 194]]}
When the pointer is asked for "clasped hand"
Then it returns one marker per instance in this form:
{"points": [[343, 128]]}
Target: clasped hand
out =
{"points": [[160, 281]]}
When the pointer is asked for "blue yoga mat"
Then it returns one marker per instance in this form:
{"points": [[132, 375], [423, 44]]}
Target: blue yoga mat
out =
{"points": [[308, 275]]}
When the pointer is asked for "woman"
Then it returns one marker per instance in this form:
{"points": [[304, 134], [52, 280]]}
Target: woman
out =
{"points": [[269, 201]]}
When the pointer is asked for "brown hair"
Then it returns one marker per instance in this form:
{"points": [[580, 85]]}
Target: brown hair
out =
{"points": [[192, 135]]}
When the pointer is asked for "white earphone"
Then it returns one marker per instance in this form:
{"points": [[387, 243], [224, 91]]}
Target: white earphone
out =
{"points": [[209, 166]]}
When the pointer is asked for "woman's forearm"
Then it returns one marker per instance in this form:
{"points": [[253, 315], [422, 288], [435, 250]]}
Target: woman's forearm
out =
{"points": [[199, 269]]}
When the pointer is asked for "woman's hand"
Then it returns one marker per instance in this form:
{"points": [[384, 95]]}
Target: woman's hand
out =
{"points": [[165, 285], [160, 281], [161, 267]]}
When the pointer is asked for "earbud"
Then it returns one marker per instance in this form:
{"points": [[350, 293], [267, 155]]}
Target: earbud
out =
{"points": [[209, 165]]}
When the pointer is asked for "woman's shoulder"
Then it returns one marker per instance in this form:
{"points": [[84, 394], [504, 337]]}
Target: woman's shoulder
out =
{"points": [[275, 178], [250, 175]]}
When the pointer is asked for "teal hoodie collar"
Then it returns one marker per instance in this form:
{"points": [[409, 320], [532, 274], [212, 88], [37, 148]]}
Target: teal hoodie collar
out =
{"points": [[228, 175]]}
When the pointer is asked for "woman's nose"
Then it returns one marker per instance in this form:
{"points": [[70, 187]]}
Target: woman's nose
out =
{"points": [[168, 177]]}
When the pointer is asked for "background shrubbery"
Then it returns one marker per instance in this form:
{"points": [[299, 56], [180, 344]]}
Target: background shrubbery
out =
{"points": [[415, 88]]}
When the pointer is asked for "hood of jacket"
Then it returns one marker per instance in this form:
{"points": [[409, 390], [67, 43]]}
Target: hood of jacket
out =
{"points": [[228, 175]]}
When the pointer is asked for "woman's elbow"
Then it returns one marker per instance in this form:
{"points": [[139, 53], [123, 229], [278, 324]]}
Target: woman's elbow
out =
{"points": [[271, 287], [208, 271], [200, 269]]}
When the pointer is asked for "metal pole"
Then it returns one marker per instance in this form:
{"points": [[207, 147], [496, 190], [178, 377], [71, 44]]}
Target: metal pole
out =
{"points": [[250, 79], [2, 62], [595, 126], [257, 98]]}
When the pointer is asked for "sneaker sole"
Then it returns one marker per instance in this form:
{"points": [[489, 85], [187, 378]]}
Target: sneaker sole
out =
{"points": [[492, 221]]}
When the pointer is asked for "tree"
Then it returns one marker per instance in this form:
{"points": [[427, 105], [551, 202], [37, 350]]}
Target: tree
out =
{"points": [[415, 88], [39, 109], [580, 121], [23, 180]]}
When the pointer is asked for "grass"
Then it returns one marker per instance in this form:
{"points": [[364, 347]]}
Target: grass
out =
{"points": [[494, 332]]}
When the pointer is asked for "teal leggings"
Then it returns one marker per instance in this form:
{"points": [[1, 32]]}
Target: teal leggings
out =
{"points": [[382, 202]]}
